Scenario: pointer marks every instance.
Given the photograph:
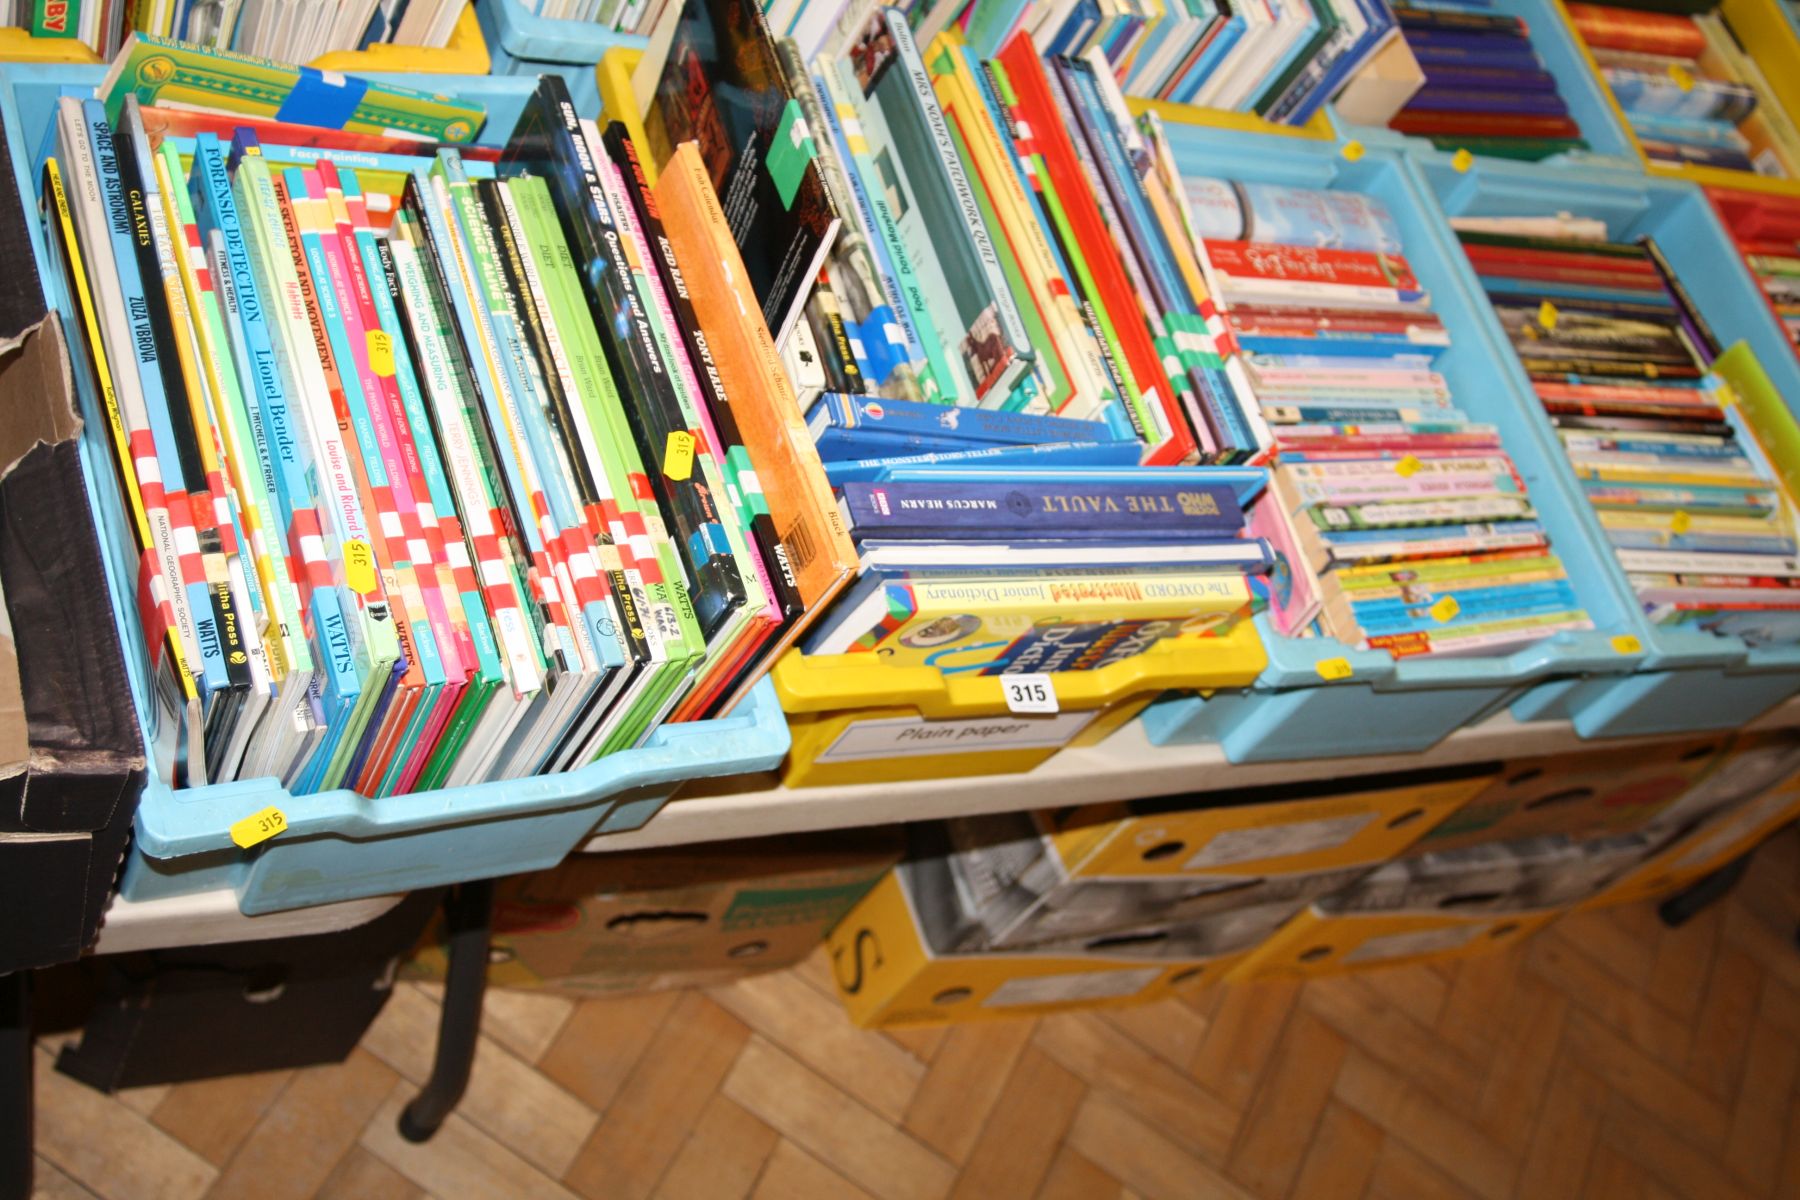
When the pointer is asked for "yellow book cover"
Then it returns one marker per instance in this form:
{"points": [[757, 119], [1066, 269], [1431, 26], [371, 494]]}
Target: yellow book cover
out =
{"points": [[1074, 622]]}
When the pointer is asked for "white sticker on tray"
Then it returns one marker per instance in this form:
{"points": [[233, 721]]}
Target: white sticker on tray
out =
{"points": [[891, 737], [1029, 693], [1278, 841], [1068, 989]]}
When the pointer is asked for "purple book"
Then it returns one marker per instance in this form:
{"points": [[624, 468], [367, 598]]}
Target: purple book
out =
{"points": [[1474, 76], [1442, 99]]}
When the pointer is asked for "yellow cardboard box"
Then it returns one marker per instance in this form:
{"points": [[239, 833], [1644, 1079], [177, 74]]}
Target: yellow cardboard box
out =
{"points": [[1582, 794], [1450, 904], [1313, 826], [890, 974], [1318, 942], [696, 916], [1747, 797]]}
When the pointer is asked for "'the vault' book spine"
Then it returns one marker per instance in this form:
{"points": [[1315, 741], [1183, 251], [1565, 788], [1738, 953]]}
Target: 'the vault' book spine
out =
{"points": [[1054, 510]]}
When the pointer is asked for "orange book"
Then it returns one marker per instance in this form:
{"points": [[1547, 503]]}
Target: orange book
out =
{"points": [[762, 398]]}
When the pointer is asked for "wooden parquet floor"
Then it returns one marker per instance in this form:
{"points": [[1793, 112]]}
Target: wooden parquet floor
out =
{"points": [[1608, 1058]]}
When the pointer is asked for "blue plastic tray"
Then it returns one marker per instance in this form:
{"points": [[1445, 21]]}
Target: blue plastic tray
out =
{"points": [[1565, 58], [1688, 681], [1389, 706], [338, 845], [522, 43]]}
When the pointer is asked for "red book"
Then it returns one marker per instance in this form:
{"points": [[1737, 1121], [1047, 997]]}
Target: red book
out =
{"points": [[1314, 264], [1426, 122], [1529, 272], [1273, 318], [1606, 28], [1049, 137], [1481, 252], [1624, 393]]}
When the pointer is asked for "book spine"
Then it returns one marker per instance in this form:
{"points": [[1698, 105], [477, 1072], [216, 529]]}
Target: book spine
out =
{"points": [[169, 469], [496, 560], [1012, 326]]}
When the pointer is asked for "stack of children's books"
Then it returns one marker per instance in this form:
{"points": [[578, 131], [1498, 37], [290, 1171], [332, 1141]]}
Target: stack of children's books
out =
{"points": [[1620, 360], [1000, 334], [1026, 299], [1766, 230], [1280, 60], [1486, 89], [1689, 91], [299, 31], [442, 464], [1404, 524]]}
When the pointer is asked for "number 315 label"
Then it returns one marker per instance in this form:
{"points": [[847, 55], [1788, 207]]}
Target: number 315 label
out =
{"points": [[1029, 693]]}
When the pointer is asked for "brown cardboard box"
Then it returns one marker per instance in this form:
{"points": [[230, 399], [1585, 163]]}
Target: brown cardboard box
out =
{"points": [[683, 917]]}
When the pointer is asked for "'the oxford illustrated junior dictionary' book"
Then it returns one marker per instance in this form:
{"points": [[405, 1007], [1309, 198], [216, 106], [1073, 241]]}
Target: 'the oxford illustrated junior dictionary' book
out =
{"points": [[722, 86]]}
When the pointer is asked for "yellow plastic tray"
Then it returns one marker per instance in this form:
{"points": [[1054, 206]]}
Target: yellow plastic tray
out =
{"points": [[17, 45], [1768, 37], [467, 53], [617, 103], [824, 683], [835, 701]]}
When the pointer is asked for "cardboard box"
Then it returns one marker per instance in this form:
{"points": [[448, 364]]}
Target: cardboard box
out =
{"points": [[892, 971], [693, 916], [1445, 905], [997, 883], [1592, 793], [202, 1012], [1751, 794], [71, 754], [933, 943], [1021, 879], [1320, 942], [1311, 826]]}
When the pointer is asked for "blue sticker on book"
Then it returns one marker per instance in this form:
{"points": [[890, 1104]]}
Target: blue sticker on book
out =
{"points": [[879, 353], [323, 98]]}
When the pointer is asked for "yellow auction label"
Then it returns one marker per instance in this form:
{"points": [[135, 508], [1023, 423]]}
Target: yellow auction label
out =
{"points": [[1684, 78], [381, 352], [1446, 608], [1547, 316], [1407, 467], [359, 566], [1681, 522], [1334, 668], [1353, 150], [1462, 161], [258, 827], [678, 455], [1627, 644]]}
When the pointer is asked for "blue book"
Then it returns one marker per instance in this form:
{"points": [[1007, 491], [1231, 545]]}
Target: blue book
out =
{"points": [[1210, 58], [1701, 543], [1246, 483], [1051, 509], [1078, 454], [970, 426], [1427, 533]]}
